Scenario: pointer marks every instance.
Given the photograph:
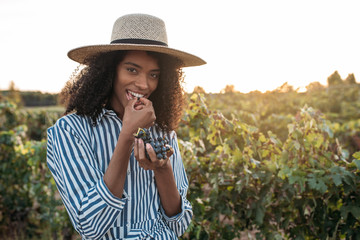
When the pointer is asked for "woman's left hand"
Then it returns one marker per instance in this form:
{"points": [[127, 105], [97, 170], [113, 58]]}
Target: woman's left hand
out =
{"points": [[154, 163]]}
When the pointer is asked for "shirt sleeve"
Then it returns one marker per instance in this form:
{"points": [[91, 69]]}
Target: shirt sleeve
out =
{"points": [[91, 206], [180, 222]]}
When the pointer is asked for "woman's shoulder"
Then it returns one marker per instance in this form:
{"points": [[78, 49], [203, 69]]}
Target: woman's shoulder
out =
{"points": [[73, 120], [75, 124]]}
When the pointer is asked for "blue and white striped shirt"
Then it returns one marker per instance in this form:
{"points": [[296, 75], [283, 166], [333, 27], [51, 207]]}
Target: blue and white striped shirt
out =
{"points": [[78, 153]]}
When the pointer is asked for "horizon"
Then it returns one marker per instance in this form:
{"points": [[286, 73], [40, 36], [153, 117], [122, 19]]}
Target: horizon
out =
{"points": [[296, 89]]}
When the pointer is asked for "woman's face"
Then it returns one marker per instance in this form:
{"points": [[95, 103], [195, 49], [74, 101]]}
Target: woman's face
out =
{"points": [[137, 76]]}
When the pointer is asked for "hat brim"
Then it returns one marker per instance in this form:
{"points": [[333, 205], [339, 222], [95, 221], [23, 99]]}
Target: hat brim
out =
{"points": [[82, 53]]}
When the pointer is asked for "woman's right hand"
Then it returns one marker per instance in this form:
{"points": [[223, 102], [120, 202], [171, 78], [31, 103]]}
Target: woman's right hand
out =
{"points": [[138, 115]]}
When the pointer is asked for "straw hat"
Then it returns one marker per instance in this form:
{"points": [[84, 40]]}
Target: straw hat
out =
{"points": [[136, 32]]}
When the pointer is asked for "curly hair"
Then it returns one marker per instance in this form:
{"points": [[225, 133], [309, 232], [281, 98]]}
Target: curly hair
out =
{"points": [[90, 89]]}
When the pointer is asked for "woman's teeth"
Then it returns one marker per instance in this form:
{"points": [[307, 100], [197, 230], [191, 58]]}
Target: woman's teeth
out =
{"points": [[135, 95]]}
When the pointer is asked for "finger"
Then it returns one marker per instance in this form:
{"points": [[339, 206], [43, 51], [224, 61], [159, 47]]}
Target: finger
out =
{"points": [[138, 107], [145, 101], [136, 149], [151, 152], [130, 106], [141, 158], [141, 150], [132, 102], [171, 152], [138, 104]]}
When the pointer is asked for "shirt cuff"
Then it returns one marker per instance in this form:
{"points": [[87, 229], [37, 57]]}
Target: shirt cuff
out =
{"points": [[109, 198], [175, 218]]}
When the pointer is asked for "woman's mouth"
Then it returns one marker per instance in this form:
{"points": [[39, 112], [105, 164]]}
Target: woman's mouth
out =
{"points": [[131, 95]]}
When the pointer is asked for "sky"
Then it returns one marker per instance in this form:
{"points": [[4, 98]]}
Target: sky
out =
{"points": [[253, 45]]}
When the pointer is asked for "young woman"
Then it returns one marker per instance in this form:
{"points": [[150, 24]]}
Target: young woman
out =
{"points": [[108, 185]]}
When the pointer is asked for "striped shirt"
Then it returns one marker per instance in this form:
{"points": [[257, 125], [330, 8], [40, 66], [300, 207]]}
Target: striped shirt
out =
{"points": [[78, 153]]}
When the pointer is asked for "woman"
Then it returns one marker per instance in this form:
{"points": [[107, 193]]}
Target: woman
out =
{"points": [[109, 187]]}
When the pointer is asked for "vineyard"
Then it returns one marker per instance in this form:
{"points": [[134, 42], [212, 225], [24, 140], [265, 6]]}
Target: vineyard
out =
{"points": [[274, 165]]}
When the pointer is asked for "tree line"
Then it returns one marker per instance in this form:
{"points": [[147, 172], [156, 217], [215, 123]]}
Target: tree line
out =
{"points": [[333, 81], [29, 98], [38, 98]]}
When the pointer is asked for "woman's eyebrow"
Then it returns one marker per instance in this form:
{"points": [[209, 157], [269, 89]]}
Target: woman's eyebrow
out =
{"points": [[138, 66], [133, 64]]}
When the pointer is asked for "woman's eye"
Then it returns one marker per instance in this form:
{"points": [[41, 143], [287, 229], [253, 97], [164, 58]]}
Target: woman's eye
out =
{"points": [[155, 75], [132, 70]]}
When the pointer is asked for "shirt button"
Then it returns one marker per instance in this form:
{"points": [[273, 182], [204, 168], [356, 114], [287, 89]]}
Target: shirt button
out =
{"points": [[128, 172]]}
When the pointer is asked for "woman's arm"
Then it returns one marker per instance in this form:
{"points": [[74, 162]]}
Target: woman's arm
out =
{"points": [[133, 118], [169, 194], [115, 174], [82, 189]]}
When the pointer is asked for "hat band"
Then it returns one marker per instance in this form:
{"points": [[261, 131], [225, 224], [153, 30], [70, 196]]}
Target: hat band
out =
{"points": [[139, 41]]}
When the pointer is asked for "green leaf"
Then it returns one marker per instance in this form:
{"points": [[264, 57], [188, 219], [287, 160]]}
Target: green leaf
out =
{"points": [[296, 145], [262, 138], [354, 210], [291, 128], [356, 156], [336, 179], [265, 153], [260, 213], [319, 141], [357, 162], [317, 184]]}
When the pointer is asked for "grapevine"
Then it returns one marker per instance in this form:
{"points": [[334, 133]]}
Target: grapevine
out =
{"points": [[160, 144]]}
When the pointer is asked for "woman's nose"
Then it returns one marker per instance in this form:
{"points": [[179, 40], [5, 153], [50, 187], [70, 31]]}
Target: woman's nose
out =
{"points": [[142, 81]]}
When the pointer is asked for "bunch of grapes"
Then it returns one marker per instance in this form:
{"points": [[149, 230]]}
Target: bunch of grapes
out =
{"points": [[159, 145]]}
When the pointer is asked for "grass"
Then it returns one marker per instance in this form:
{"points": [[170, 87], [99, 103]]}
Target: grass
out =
{"points": [[56, 108]]}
